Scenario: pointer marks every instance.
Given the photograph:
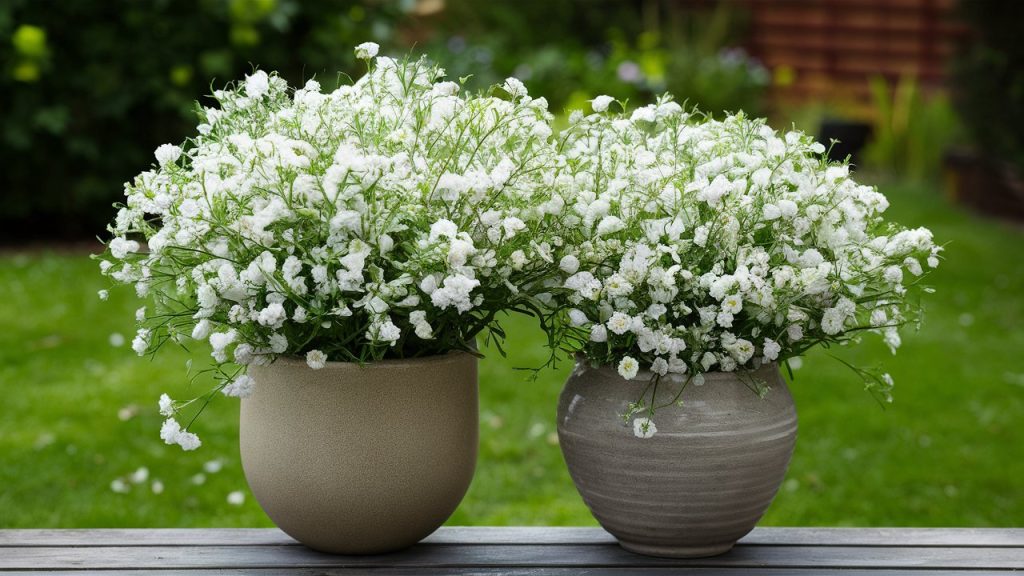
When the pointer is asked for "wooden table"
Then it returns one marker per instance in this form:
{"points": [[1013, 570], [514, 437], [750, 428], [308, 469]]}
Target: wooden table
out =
{"points": [[492, 551]]}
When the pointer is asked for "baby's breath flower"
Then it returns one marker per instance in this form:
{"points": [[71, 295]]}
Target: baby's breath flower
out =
{"points": [[601, 103], [644, 428], [367, 50], [722, 238], [316, 359], [167, 154], [141, 341], [166, 405], [257, 84], [628, 367], [240, 387]]}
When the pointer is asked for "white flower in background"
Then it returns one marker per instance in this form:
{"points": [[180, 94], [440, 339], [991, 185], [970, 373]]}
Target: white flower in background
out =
{"points": [[644, 428], [316, 359], [103, 294], [140, 475], [367, 50], [119, 486]]}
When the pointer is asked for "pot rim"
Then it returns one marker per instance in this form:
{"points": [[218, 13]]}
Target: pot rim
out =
{"points": [[647, 375], [449, 357]]}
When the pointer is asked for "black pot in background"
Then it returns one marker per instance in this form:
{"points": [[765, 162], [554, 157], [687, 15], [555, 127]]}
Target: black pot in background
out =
{"points": [[988, 186], [851, 137]]}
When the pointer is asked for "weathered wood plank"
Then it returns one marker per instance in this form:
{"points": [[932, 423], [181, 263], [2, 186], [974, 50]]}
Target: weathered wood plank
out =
{"points": [[941, 537], [498, 556], [665, 571]]}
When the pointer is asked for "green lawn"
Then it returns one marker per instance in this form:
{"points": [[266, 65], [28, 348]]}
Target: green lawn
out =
{"points": [[77, 413]]}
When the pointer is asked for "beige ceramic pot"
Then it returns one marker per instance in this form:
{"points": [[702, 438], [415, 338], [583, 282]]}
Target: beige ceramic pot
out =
{"points": [[366, 459], [701, 482]]}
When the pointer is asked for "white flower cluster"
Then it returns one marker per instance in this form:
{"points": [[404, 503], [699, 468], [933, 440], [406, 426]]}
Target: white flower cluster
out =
{"points": [[396, 217], [697, 245], [390, 218]]}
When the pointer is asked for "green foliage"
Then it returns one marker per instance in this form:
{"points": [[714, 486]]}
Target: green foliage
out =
{"points": [[945, 453], [911, 131], [989, 78], [91, 88], [614, 49]]}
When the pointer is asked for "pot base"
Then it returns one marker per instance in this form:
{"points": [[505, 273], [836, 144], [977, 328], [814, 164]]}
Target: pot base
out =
{"points": [[702, 481], [360, 460], [676, 551]]}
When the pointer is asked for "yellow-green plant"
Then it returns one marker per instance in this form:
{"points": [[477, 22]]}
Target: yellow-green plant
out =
{"points": [[911, 130]]}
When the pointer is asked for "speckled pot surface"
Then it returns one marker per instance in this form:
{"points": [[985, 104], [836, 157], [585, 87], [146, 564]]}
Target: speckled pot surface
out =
{"points": [[701, 482], [361, 459]]}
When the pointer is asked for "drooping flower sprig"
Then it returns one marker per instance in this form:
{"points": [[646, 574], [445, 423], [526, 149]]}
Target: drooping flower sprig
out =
{"points": [[391, 218]]}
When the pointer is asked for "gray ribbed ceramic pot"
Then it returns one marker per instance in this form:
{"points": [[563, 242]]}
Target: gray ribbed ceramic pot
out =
{"points": [[701, 482], [366, 459]]}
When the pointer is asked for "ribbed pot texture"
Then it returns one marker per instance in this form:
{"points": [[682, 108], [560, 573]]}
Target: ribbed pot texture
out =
{"points": [[366, 459], [701, 482]]}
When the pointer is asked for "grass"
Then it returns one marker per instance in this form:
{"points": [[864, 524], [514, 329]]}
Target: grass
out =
{"points": [[76, 412]]}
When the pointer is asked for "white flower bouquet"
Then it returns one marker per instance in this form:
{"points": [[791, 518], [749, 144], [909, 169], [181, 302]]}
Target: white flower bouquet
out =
{"points": [[396, 218], [698, 245], [390, 218]]}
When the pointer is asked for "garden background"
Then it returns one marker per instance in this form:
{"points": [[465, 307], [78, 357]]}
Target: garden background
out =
{"points": [[89, 89]]}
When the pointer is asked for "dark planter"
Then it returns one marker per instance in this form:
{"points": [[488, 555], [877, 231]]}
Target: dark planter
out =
{"points": [[851, 136], [988, 186]]}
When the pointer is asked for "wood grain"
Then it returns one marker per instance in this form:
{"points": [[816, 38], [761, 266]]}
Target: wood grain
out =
{"points": [[514, 550]]}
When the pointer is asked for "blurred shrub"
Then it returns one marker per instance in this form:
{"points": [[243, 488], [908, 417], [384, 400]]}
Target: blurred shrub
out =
{"points": [[614, 48], [911, 132], [91, 88], [989, 78]]}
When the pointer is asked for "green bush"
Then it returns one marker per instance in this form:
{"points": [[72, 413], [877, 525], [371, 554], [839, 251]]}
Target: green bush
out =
{"points": [[613, 48], [911, 131], [91, 88], [988, 77]]}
